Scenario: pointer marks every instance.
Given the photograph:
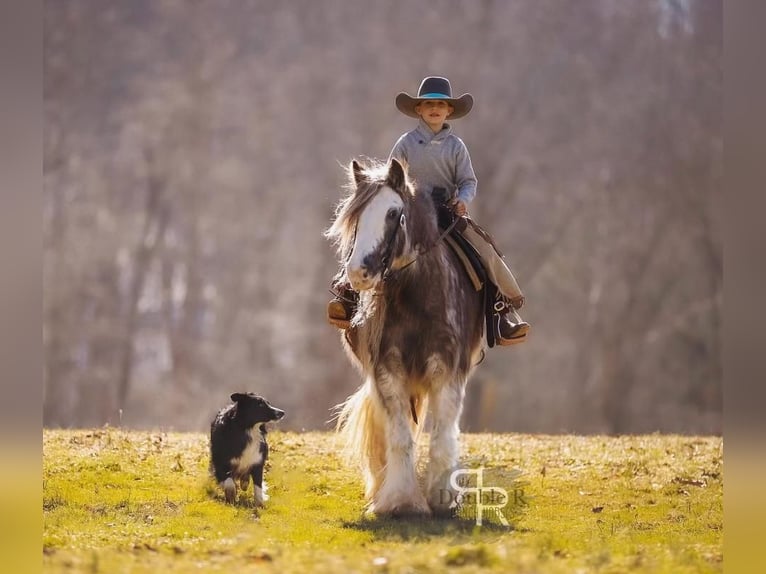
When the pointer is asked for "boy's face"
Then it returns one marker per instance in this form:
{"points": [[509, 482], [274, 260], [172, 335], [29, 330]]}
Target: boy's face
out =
{"points": [[434, 112]]}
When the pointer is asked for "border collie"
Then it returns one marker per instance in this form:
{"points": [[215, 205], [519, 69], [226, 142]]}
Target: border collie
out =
{"points": [[238, 450]]}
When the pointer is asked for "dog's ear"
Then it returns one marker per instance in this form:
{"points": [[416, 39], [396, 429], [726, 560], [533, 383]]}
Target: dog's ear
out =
{"points": [[236, 397]]}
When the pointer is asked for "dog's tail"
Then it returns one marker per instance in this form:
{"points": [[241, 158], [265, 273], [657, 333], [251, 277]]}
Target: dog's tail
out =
{"points": [[361, 423]]}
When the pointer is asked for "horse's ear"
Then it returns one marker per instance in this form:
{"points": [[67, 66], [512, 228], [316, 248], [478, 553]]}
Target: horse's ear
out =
{"points": [[395, 175], [358, 171]]}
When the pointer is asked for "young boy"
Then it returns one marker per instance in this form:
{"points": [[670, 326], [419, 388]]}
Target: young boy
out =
{"points": [[438, 160]]}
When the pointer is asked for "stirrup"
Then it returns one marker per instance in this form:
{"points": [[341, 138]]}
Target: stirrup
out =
{"points": [[338, 294], [341, 321], [503, 304], [342, 324], [515, 340]]}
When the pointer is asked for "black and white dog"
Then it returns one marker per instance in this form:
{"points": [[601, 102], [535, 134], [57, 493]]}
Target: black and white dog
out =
{"points": [[238, 449]]}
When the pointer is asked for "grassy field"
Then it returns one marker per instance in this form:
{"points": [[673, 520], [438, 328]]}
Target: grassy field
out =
{"points": [[126, 501]]}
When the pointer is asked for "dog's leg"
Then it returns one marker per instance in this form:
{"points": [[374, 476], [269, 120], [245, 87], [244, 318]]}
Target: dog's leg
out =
{"points": [[399, 494], [446, 404], [244, 482], [259, 488], [229, 490]]}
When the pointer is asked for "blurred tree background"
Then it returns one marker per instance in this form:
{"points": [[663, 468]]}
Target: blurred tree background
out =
{"points": [[194, 153]]}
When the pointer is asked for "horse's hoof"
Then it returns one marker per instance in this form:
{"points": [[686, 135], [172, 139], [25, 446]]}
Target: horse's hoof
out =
{"points": [[409, 509]]}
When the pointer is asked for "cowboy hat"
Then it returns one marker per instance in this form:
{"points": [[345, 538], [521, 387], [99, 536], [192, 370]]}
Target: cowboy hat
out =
{"points": [[434, 88]]}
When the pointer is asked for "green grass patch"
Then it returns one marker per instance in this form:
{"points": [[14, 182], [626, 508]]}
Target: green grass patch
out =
{"points": [[129, 501]]}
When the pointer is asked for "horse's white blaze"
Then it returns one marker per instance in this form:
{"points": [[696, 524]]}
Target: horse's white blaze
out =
{"points": [[369, 233]]}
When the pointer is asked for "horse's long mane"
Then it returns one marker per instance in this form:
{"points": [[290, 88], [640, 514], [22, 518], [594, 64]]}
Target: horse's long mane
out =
{"points": [[342, 230]]}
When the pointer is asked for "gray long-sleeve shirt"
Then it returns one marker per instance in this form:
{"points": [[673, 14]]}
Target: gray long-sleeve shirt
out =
{"points": [[437, 160]]}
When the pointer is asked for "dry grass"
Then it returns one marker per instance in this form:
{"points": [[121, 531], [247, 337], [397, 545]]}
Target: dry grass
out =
{"points": [[125, 501]]}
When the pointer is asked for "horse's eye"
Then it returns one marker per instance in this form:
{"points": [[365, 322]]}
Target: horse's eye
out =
{"points": [[392, 213]]}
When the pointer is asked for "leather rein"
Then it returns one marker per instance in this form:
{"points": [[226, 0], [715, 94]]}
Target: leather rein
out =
{"points": [[402, 224]]}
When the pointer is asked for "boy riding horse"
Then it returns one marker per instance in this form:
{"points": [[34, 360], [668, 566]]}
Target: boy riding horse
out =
{"points": [[439, 162]]}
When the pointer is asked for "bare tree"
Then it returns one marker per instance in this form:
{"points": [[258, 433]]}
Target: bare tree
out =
{"points": [[194, 154]]}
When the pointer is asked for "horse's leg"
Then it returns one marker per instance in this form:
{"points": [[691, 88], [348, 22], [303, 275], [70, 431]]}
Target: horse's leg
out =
{"points": [[446, 405], [399, 494]]}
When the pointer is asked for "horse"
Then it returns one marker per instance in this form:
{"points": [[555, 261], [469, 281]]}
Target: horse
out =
{"points": [[416, 337]]}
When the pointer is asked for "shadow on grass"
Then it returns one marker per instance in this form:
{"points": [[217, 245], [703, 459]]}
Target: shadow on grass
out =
{"points": [[417, 528], [501, 511], [462, 525]]}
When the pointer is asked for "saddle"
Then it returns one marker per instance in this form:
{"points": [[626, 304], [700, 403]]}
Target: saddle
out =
{"points": [[467, 255]]}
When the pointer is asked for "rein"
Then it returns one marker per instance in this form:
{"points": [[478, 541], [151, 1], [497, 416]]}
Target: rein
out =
{"points": [[388, 272]]}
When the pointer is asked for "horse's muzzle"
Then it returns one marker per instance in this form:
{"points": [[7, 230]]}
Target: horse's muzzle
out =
{"points": [[361, 279]]}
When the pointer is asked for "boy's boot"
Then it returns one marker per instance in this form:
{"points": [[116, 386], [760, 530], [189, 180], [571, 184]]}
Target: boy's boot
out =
{"points": [[342, 307], [509, 327]]}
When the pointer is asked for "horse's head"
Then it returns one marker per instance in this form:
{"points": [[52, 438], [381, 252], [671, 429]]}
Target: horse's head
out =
{"points": [[371, 225], [381, 229]]}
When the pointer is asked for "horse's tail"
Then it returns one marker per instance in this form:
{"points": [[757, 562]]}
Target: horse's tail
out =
{"points": [[362, 425]]}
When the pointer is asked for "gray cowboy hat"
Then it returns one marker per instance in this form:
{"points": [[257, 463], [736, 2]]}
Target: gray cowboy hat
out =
{"points": [[434, 88]]}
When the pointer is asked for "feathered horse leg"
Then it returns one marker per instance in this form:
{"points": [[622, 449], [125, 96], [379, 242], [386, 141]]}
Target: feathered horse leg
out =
{"points": [[400, 492], [446, 405]]}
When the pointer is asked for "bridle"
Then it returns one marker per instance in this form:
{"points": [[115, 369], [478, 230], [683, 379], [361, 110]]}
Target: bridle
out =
{"points": [[402, 224]]}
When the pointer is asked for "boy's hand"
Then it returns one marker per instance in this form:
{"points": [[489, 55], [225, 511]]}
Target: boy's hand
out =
{"points": [[459, 207]]}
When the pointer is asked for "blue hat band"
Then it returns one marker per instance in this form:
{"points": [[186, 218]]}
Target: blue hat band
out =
{"points": [[434, 96]]}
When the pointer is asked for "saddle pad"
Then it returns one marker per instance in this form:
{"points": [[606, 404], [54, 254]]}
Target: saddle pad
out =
{"points": [[460, 251]]}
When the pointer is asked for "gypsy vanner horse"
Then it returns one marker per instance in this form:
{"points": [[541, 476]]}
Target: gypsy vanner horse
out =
{"points": [[416, 337]]}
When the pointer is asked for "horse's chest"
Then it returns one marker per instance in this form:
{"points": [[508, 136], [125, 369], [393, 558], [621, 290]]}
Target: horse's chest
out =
{"points": [[251, 455]]}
